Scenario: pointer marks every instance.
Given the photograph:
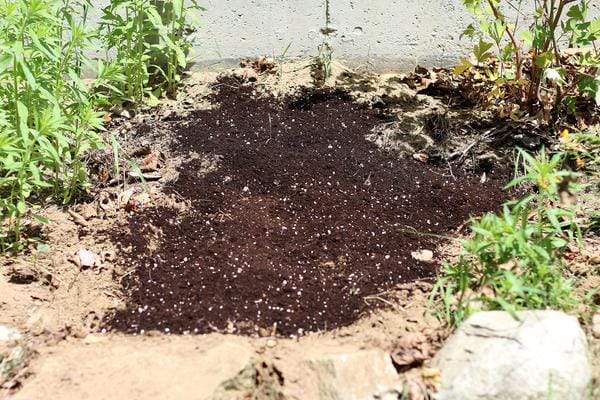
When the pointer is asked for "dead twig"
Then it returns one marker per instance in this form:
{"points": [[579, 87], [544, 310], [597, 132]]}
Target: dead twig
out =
{"points": [[378, 298], [479, 139]]}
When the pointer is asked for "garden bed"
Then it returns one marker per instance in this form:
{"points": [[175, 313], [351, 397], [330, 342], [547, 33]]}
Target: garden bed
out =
{"points": [[297, 219]]}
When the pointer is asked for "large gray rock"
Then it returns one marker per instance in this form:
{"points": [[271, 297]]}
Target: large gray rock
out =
{"points": [[360, 375], [543, 355]]}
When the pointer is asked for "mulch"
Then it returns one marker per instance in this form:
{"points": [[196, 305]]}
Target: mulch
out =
{"points": [[302, 220]]}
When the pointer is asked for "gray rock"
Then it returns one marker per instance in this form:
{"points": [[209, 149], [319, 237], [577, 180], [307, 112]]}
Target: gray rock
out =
{"points": [[9, 334], [361, 375], [543, 355]]}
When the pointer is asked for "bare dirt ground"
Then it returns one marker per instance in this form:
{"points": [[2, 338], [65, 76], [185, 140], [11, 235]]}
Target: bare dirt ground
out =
{"points": [[64, 294]]}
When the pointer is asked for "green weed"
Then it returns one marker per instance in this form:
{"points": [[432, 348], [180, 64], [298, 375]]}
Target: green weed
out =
{"points": [[321, 69], [513, 259]]}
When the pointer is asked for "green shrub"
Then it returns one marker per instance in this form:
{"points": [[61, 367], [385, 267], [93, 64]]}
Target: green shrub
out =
{"points": [[47, 121], [513, 259], [544, 82], [49, 117]]}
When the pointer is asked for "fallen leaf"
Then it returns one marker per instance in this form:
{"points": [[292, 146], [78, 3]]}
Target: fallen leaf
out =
{"points": [[463, 67], [488, 292], [148, 176], [125, 196], [137, 200], [508, 266], [260, 65], [250, 75], [432, 377], [327, 264]]}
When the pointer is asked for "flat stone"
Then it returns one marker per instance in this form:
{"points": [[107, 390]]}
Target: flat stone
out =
{"points": [[492, 356], [360, 375], [136, 368]]}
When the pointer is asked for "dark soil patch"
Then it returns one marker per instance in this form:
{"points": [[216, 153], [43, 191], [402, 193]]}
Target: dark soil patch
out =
{"points": [[302, 220]]}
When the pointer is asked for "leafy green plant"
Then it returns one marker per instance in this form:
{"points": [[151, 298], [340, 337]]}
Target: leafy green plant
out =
{"points": [[321, 64], [542, 79], [150, 42], [49, 116], [47, 121], [513, 259]]}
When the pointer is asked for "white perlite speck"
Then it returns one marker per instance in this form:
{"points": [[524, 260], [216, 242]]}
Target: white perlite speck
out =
{"points": [[492, 356]]}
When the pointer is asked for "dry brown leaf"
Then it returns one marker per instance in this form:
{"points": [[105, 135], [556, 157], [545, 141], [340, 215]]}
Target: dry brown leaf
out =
{"points": [[508, 266]]}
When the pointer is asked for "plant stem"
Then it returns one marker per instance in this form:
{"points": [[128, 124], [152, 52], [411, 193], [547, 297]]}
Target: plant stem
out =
{"points": [[518, 60]]}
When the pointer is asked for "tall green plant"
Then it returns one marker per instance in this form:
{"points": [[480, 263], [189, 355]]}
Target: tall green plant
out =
{"points": [[150, 43], [47, 122], [173, 40]]}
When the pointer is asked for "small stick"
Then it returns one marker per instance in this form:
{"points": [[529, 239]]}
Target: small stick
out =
{"points": [[78, 219], [486, 135]]}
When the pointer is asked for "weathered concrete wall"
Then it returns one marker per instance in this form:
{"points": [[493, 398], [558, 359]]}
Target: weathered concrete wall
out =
{"points": [[387, 34], [393, 33]]}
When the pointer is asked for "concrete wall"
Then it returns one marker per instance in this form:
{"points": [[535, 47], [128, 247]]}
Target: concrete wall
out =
{"points": [[393, 33], [388, 34]]}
